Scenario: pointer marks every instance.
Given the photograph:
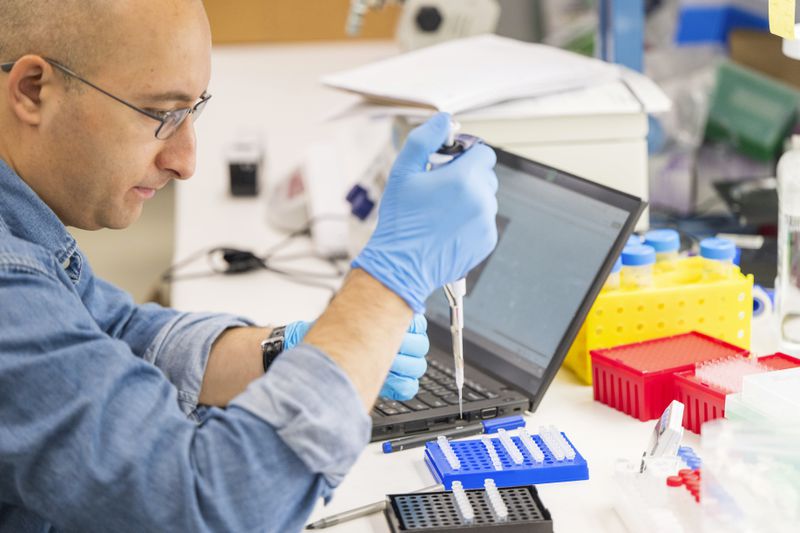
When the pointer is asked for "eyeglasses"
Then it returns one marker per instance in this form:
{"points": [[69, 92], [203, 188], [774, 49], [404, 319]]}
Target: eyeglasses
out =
{"points": [[169, 121]]}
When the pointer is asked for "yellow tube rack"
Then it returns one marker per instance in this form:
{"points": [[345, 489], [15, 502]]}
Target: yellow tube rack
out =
{"points": [[681, 299]]}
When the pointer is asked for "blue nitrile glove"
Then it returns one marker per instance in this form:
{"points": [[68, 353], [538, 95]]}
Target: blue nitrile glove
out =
{"points": [[433, 227], [408, 366]]}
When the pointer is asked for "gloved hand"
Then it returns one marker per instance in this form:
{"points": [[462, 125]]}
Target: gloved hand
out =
{"points": [[433, 227], [408, 366]]}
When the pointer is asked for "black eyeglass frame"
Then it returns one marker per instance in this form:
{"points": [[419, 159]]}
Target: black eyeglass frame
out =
{"points": [[177, 116]]}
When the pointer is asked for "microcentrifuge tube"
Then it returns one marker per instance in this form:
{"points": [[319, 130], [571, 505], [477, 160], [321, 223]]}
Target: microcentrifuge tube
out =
{"points": [[487, 442], [495, 500], [531, 446], [462, 503], [448, 452], [510, 447]]}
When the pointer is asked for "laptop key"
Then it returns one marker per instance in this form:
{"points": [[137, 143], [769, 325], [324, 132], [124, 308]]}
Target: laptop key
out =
{"points": [[452, 399], [431, 400], [491, 395], [475, 386], [416, 405], [472, 396]]}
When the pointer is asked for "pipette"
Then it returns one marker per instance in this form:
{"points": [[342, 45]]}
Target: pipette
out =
{"points": [[455, 298], [455, 292]]}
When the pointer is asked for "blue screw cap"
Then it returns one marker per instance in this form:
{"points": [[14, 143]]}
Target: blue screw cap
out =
{"points": [[663, 240], [633, 240], [718, 249], [638, 255]]}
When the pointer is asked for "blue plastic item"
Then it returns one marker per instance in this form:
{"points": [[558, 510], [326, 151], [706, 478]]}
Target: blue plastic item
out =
{"points": [[663, 240], [634, 240], [476, 465], [621, 32], [638, 255], [712, 24], [504, 422], [718, 249], [689, 457]]}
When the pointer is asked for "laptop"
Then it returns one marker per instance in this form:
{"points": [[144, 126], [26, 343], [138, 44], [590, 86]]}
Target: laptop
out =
{"points": [[559, 236]]}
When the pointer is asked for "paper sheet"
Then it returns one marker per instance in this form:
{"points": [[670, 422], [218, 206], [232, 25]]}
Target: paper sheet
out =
{"points": [[474, 72]]}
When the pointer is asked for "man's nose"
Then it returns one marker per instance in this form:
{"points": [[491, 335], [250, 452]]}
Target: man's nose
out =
{"points": [[179, 152]]}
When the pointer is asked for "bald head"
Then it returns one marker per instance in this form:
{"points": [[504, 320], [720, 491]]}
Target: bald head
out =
{"points": [[66, 30], [78, 33]]}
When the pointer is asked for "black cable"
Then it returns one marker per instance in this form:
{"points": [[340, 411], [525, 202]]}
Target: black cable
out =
{"points": [[238, 261]]}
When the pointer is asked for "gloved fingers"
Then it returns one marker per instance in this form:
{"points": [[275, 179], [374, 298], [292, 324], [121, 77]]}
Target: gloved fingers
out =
{"points": [[294, 333], [415, 345], [421, 143], [479, 157], [418, 324], [409, 366], [399, 388]]}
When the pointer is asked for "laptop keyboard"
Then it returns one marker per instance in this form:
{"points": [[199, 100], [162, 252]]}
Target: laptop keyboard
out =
{"points": [[437, 388]]}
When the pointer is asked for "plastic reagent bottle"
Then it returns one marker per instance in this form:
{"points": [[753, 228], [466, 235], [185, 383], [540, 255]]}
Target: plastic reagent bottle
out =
{"points": [[718, 254], [787, 283], [612, 282], [637, 266], [666, 243]]}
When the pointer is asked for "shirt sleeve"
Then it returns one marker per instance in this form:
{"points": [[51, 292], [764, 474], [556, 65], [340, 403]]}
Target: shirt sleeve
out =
{"points": [[92, 439], [177, 343]]}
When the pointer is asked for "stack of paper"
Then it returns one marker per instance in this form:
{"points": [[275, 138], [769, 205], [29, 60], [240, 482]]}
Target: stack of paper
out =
{"points": [[473, 72]]}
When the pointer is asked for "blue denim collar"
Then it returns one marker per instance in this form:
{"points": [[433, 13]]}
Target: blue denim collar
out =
{"points": [[27, 217]]}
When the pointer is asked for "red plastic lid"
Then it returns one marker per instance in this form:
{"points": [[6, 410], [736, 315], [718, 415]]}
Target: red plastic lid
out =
{"points": [[674, 481], [779, 361], [670, 353], [685, 473]]}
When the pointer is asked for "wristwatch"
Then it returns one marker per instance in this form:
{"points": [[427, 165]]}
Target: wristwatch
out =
{"points": [[272, 346]]}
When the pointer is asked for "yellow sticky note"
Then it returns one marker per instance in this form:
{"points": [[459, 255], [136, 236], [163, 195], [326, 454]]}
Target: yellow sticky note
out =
{"points": [[781, 18]]}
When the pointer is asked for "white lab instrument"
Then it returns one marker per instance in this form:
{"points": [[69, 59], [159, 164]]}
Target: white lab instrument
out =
{"points": [[427, 22], [667, 434]]}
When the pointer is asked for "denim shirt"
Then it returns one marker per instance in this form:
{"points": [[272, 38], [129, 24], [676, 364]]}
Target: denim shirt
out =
{"points": [[97, 393]]}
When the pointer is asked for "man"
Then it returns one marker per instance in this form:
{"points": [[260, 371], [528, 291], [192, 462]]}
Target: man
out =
{"points": [[97, 100]]}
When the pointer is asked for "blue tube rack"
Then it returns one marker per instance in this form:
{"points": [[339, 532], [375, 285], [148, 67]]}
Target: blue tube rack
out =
{"points": [[476, 465]]}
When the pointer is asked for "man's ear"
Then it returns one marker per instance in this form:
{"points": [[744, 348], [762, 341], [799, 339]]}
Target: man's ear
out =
{"points": [[26, 81]]}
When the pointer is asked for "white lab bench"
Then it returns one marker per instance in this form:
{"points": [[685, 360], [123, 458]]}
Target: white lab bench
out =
{"points": [[274, 89]]}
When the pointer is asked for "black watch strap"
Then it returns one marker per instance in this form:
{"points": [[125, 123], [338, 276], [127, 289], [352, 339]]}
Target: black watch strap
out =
{"points": [[272, 346]]}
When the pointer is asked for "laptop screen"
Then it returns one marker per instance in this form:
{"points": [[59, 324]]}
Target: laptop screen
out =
{"points": [[558, 238]]}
